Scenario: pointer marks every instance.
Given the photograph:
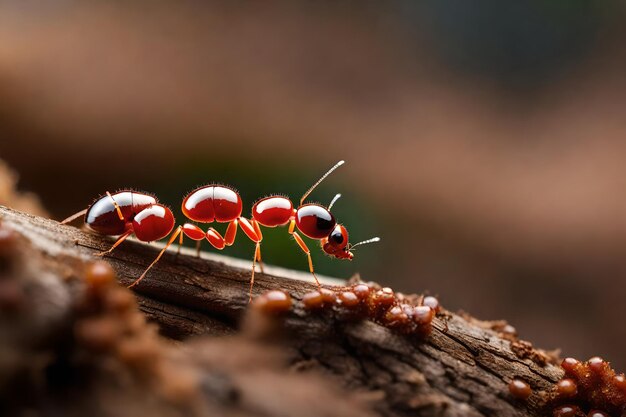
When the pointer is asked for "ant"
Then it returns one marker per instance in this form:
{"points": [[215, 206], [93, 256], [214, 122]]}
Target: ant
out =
{"points": [[129, 212]]}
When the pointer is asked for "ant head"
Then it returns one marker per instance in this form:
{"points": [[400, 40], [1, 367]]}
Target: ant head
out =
{"points": [[153, 223], [336, 244]]}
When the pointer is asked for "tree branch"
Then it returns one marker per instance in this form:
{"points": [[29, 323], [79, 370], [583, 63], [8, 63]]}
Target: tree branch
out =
{"points": [[462, 369]]}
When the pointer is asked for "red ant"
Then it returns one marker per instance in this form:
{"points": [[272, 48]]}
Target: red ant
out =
{"points": [[128, 212]]}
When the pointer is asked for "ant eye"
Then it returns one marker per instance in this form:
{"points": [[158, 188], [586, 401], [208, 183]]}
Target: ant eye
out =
{"points": [[315, 221], [336, 237]]}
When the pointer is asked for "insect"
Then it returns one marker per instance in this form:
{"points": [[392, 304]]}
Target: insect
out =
{"points": [[312, 220], [129, 212], [125, 213]]}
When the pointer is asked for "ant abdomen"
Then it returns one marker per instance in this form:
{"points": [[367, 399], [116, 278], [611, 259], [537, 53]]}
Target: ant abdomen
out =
{"points": [[103, 216]]}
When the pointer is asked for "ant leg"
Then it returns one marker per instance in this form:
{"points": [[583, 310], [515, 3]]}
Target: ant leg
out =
{"points": [[215, 239], [116, 244], [169, 243], [180, 244], [117, 208], [74, 216], [248, 229], [306, 250], [258, 258], [257, 254], [231, 232], [253, 232], [193, 232], [257, 229]]}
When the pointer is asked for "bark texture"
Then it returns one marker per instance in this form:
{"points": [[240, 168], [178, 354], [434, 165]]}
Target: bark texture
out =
{"points": [[462, 369]]}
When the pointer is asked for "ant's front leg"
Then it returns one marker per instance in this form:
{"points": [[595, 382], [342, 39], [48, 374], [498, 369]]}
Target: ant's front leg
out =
{"points": [[169, 243], [305, 249]]}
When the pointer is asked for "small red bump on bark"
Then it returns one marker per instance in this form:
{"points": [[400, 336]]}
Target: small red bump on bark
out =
{"points": [[273, 302], [395, 317], [349, 299], [596, 364], [329, 296], [570, 365], [361, 290], [567, 411], [566, 388], [313, 300], [519, 389], [423, 315], [99, 274], [431, 302]]}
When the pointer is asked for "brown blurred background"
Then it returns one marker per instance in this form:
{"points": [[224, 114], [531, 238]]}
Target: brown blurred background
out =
{"points": [[484, 141]]}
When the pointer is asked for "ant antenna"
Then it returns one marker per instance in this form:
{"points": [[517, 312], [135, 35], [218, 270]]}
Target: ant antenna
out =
{"points": [[334, 201], [365, 242], [337, 165]]}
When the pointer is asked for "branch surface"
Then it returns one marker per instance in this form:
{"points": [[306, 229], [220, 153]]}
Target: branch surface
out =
{"points": [[462, 369]]}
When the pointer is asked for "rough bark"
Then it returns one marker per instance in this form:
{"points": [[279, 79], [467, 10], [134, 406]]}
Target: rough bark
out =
{"points": [[462, 369]]}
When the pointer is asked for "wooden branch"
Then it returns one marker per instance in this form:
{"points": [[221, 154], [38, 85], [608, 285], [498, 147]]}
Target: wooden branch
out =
{"points": [[462, 369]]}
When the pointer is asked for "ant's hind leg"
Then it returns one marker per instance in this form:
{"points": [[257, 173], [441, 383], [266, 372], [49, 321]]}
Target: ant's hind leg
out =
{"points": [[257, 255], [116, 244], [259, 234], [74, 216], [169, 243], [306, 250], [258, 258], [180, 244]]}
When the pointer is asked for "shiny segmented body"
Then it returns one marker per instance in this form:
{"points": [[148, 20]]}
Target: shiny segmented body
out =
{"points": [[212, 203], [125, 213], [207, 204], [130, 212], [102, 216]]}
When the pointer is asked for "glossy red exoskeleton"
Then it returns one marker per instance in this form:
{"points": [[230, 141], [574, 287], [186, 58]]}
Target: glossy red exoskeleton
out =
{"points": [[129, 212], [125, 213], [312, 220]]}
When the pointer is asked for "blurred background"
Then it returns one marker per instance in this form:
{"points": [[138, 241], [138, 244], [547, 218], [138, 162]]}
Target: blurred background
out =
{"points": [[484, 140]]}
